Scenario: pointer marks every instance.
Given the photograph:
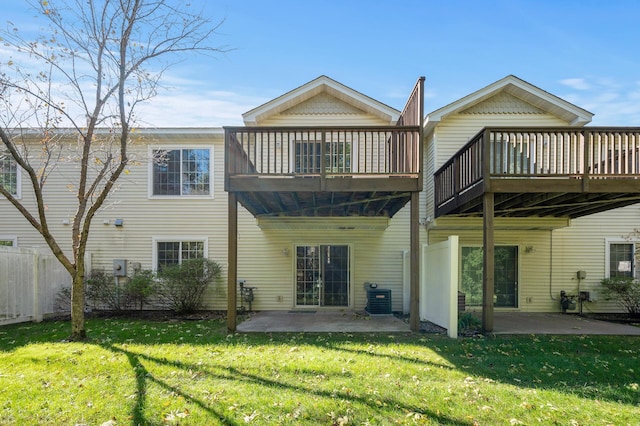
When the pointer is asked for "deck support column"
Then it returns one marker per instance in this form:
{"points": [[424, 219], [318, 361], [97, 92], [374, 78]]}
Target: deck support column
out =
{"points": [[232, 260], [488, 263], [414, 304]]}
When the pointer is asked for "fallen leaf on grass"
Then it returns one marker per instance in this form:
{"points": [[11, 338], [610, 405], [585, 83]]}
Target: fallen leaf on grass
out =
{"points": [[175, 415], [249, 418]]}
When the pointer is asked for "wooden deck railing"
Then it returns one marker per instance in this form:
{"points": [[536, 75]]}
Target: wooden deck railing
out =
{"points": [[504, 153], [322, 151]]}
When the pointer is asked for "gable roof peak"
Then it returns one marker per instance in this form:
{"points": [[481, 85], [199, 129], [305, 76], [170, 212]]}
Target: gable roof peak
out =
{"points": [[527, 92], [321, 84]]}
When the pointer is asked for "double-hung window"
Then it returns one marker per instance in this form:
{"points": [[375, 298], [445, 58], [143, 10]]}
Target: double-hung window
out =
{"points": [[181, 172], [169, 251], [9, 173], [621, 259]]}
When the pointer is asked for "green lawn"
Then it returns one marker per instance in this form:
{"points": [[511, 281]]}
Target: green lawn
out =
{"points": [[193, 372]]}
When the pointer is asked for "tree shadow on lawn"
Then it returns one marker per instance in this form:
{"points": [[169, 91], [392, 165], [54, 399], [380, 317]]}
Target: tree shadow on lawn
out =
{"points": [[232, 374], [600, 368]]}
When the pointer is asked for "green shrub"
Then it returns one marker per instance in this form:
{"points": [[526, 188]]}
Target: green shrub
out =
{"points": [[138, 289], [625, 291], [181, 287], [101, 291]]}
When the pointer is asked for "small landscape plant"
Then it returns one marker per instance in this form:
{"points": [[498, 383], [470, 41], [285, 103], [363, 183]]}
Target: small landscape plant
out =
{"points": [[181, 287], [469, 324], [138, 289], [625, 291]]}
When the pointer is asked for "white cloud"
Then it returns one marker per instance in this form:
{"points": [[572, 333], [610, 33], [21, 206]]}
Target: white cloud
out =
{"points": [[576, 83], [196, 109]]}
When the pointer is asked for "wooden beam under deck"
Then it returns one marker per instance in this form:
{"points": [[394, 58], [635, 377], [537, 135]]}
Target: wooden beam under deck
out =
{"points": [[322, 184]]}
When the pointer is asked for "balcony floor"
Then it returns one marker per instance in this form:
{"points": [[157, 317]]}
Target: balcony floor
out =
{"points": [[323, 204], [546, 197]]}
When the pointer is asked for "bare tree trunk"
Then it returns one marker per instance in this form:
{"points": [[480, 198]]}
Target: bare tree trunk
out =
{"points": [[78, 331], [84, 36]]}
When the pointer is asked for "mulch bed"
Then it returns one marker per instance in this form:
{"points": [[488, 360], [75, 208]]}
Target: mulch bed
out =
{"points": [[620, 318]]}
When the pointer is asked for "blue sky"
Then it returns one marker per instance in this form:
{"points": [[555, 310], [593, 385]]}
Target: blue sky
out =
{"points": [[584, 51]]}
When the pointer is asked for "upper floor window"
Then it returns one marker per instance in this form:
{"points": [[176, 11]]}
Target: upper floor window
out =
{"points": [[9, 174], [181, 172], [308, 157]]}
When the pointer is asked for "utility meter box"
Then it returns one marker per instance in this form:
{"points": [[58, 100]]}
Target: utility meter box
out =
{"points": [[120, 268], [581, 275]]}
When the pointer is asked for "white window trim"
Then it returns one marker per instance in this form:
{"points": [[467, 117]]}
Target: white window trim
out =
{"points": [[607, 254], [12, 238], [18, 194], [179, 197], [173, 239]]}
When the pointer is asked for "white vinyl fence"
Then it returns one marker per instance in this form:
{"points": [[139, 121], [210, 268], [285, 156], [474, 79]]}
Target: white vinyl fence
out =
{"points": [[439, 290], [29, 284]]}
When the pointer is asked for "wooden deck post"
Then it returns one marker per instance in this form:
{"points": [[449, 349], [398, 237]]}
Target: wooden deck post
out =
{"points": [[414, 294], [232, 260], [488, 263]]}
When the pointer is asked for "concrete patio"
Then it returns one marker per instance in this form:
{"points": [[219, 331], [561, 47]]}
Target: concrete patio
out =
{"points": [[557, 323], [352, 321], [321, 321]]}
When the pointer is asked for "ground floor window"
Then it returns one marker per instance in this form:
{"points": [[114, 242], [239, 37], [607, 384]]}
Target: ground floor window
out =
{"points": [[8, 241], [505, 276], [322, 275], [621, 259], [171, 252]]}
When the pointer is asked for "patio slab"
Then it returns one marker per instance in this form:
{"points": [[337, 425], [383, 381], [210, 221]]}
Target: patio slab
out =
{"points": [[557, 323], [321, 321], [347, 321]]}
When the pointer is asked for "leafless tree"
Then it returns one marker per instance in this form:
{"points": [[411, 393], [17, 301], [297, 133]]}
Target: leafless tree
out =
{"points": [[70, 94]]}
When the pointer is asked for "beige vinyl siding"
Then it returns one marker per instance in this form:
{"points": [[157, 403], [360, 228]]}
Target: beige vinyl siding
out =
{"points": [[144, 217], [57, 199], [376, 256], [324, 120], [540, 275], [582, 246], [266, 257], [166, 218], [323, 110], [537, 289]]}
